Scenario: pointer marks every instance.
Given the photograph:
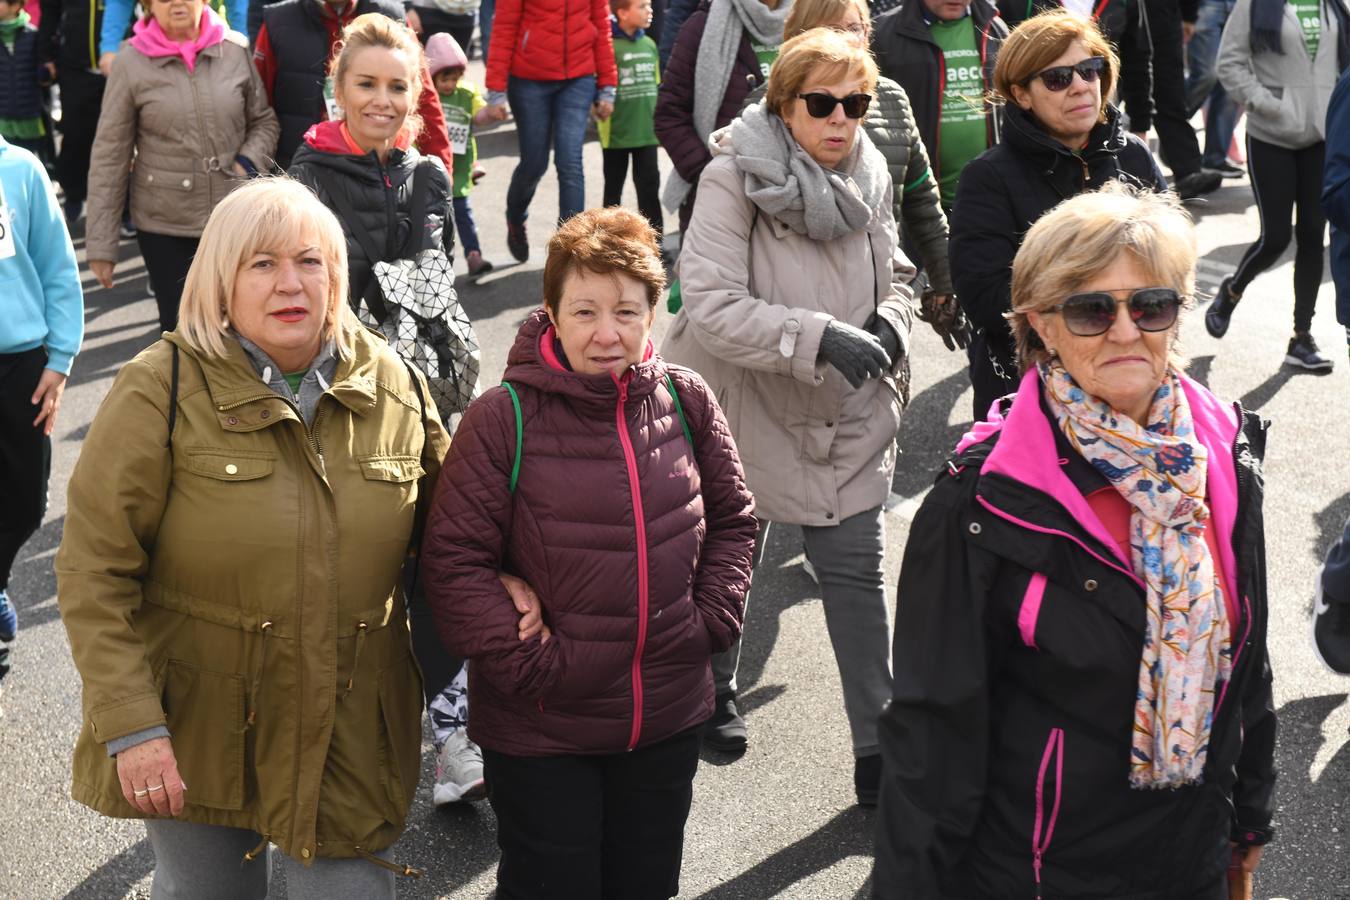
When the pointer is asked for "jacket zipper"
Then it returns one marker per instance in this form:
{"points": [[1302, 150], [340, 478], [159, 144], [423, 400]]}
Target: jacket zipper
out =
{"points": [[201, 129], [1045, 825], [93, 41], [630, 460], [564, 43], [1246, 607], [935, 159]]}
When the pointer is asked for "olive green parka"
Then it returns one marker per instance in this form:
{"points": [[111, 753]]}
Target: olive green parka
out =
{"points": [[241, 586]]}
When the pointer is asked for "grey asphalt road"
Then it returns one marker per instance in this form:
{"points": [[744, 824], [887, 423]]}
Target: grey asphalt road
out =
{"points": [[780, 821]]}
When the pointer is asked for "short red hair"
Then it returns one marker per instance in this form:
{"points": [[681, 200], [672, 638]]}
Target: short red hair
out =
{"points": [[604, 241]]}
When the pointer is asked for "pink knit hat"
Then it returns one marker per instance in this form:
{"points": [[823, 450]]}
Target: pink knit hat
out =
{"points": [[444, 52]]}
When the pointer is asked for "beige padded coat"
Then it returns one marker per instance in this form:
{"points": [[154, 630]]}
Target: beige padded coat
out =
{"points": [[171, 136], [757, 296], [242, 587]]}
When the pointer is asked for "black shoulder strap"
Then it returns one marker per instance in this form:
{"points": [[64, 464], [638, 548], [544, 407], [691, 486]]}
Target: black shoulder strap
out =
{"points": [[418, 210], [420, 513], [173, 397]]}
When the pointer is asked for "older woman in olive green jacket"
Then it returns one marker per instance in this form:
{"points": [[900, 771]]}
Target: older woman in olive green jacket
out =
{"points": [[229, 574]]}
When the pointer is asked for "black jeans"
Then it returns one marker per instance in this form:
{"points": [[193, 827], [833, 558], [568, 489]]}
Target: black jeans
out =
{"points": [[167, 260], [646, 179], [25, 455], [81, 101], [593, 827], [1179, 147], [1283, 181]]}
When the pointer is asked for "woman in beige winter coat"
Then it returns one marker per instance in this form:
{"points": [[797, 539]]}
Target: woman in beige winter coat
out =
{"points": [[797, 312], [185, 120]]}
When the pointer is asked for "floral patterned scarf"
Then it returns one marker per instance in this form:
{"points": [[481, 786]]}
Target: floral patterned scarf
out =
{"points": [[1160, 469]]}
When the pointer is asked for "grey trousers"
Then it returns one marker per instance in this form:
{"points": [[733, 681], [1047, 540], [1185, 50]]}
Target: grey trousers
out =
{"points": [[848, 559], [206, 862]]}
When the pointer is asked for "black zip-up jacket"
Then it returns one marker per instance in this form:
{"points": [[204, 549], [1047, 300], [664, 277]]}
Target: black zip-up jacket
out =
{"points": [[906, 53], [380, 197], [69, 33], [1002, 193], [1125, 24], [1018, 636]]}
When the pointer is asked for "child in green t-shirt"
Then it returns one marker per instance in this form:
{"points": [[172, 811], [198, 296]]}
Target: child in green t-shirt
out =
{"points": [[464, 107], [630, 130]]}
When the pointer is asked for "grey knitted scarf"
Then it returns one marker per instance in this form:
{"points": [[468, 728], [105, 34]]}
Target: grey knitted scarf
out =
{"points": [[785, 182], [727, 21]]}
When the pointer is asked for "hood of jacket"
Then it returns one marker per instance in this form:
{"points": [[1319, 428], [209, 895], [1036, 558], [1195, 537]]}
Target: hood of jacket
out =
{"points": [[330, 144]]}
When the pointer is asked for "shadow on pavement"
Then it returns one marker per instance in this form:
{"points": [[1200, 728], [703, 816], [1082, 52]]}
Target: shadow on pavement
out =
{"points": [[33, 579], [116, 876]]}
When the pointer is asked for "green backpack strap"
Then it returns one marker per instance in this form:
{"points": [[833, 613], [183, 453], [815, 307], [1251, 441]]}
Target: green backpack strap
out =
{"points": [[520, 433], [679, 410]]}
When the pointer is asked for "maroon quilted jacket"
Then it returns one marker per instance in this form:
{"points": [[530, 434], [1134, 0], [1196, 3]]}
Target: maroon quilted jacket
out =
{"points": [[638, 549]]}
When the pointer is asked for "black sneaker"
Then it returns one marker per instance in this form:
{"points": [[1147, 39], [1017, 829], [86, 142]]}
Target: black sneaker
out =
{"points": [[1303, 353], [1221, 309], [867, 778], [1197, 183], [1227, 169], [517, 242], [1331, 632], [726, 730]]}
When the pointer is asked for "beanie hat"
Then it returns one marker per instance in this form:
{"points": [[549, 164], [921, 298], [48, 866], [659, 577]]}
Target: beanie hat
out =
{"points": [[444, 52]]}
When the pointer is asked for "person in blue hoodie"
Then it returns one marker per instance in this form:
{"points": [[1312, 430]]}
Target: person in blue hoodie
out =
{"points": [[1336, 196], [41, 326]]}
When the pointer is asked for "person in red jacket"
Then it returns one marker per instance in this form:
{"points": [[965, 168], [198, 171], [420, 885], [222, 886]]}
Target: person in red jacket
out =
{"points": [[553, 61], [608, 481]]}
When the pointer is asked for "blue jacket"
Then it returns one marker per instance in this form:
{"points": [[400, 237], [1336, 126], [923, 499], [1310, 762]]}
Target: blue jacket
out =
{"points": [[20, 95], [1336, 194], [675, 14], [41, 304], [117, 13]]}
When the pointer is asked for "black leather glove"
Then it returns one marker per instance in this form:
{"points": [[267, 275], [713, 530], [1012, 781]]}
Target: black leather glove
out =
{"points": [[944, 313], [857, 354], [884, 332]]}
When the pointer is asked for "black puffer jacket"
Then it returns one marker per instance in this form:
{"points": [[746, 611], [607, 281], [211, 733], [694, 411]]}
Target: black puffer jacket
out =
{"points": [[1018, 636], [1002, 193], [379, 196]]}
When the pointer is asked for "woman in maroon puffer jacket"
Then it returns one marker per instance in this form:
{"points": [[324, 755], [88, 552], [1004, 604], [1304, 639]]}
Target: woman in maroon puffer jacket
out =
{"points": [[614, 490]]}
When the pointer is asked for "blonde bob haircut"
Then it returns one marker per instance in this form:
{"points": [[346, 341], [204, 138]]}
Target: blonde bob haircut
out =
{"points": [[808, 14], [267, 215], [823, 55], [1085, 235], [1035, 44], [378, 30]]}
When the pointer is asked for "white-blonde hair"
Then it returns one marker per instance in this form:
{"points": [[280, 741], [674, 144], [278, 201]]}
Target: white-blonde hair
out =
{"points": [[265, 215], [1082, 237]]}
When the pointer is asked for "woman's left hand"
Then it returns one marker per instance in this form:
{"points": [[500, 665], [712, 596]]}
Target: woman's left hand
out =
{"points": [[526, 602], [236, 168], [1251, 856]]}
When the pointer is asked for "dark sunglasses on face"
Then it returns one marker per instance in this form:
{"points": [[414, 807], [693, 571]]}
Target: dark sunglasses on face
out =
{"points": [[821, 105], [1091, 314], [1058, 78]]}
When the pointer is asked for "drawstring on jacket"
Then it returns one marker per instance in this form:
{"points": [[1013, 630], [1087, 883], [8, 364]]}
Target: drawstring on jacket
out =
{"points": [[251, 855], [266, 629], [361, 629], [406, 871]]}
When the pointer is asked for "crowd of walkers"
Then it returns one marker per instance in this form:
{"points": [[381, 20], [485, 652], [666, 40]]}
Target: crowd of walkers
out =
{"points": [[276, 557]]}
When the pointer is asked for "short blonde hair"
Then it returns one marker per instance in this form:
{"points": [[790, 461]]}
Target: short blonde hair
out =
{"points": [[801, 57], [267, 214], [808, 14], [1039, 41], [378, 30], [1085, 235]]}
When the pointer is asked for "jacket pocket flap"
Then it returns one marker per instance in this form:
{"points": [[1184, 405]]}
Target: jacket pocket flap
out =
{"points": [[226, 465], [391, 468], [155, 177]]}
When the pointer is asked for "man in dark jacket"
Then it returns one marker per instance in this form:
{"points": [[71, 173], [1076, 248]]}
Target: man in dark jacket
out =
{"points": [[1124, 23], [292, 52], [943, 52], [66, 47], [1336, 195]]}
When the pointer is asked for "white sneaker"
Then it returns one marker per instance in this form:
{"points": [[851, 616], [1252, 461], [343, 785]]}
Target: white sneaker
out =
{"points": [[459, 771]]}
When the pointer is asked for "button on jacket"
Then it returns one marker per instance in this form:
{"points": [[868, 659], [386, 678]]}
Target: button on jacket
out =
{"points": [[240, 588]]}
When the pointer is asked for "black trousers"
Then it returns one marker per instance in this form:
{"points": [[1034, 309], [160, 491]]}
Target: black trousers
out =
{"points": [[25, 455], [993, 369], [81, 102], [593, 827], [167, 260], [1285, 181], [646, 179], [1177, 142]]}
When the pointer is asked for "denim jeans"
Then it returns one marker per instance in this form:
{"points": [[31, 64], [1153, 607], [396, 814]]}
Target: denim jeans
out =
{"points": [[486, 10], [1202, 81], [465, 225], [549, 113]]}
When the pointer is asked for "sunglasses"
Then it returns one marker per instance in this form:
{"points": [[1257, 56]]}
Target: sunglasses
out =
{"points": [[1091, 314], [1058, 78], [821, 105]]}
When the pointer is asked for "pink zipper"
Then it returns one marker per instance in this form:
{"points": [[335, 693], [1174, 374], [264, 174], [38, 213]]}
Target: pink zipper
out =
{"points": [[1237, 654], [1054, 747], [630, 459]]}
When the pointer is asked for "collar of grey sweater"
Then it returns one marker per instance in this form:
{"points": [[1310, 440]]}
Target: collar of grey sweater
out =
{"points": [[316, 381]]}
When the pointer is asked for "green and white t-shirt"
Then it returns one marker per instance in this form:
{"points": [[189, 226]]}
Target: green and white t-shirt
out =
{"points": [[766, 55], [631, 124], [1309, 14], [962, 133], [459, 108]]}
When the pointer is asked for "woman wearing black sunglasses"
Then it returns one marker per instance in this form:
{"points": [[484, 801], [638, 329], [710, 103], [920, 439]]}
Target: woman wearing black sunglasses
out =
{"points": [[1082, 700], [1061, 136], [797, 312]]}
